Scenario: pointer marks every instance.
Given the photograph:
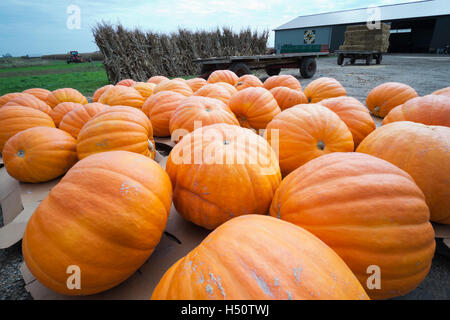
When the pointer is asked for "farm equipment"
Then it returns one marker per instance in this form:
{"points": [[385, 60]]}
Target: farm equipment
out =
{"points": [[74, 57], [241, 65]]}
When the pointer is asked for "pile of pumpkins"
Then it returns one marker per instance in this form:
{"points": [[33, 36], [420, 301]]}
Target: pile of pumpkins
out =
{"points": [[305, 210]]}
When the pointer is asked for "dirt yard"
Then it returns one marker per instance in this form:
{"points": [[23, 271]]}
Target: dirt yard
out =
{"points": [[425, 73]]}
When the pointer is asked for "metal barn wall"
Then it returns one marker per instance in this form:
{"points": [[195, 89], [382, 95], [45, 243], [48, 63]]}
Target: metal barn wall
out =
{"points": [[441, 34], [295, 37]]}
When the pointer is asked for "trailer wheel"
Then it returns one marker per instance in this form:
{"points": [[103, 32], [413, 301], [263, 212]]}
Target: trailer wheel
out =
{"points": [[273, 71], [379, 58], [308, 67], [340, 60], [240, 69], [368, 59], [206, 71]]}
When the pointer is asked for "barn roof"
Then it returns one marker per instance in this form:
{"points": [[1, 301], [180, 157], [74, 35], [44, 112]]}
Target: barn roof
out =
{"points": [[427, 8]]}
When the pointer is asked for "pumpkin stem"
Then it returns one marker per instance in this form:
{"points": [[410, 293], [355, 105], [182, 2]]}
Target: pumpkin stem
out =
{"points": [[21, 153], [151, 147], [225, 142], [321, 145]]}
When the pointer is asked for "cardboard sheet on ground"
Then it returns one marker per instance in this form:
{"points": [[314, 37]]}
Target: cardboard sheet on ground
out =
{"points": [[18, 202]]}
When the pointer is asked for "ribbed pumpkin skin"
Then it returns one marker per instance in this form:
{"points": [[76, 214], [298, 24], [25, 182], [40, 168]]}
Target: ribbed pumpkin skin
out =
{"points": [[9, 96], [216, 91], [39, 93], [116, 128], [247, 81], [31, 102], [231, 89], [157, 79], [431, 110], [282, 81], [14, 119], [306, 132], [324, 88], [196, 83], [287, 97], [145, 89], [106, 215], [178, 86], [73, 121], [39, 154], [387, 96], [122, 96], [275, 260], [206, 111], [98, 93], [223, 76], [65, 95], [61, 110], [443, 91], [354, 114], [126, 83], [366, 209], [159, 108], [254, 107], [209, 193], [422, 151]]}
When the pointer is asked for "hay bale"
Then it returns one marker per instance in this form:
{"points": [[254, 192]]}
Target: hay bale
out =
{"points": [[360, 38], [139, 55]]}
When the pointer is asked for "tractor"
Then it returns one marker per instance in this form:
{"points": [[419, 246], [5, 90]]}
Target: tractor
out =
{"points": [[74, 57]]}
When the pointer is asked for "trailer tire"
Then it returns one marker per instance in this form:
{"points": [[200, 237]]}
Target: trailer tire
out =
{"points": [[206, 71], [273, 71], [379, 58], [308, 67], [240, 69], [340, 60]]}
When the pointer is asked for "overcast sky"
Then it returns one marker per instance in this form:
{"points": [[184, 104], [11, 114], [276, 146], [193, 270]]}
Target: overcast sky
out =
{"points": [[38, 27]]}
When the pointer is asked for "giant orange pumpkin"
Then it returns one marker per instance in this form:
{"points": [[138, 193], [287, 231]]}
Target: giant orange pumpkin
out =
{"points": [[257, 258], [65, 95], [28, 100], [39, 154], [61, 110], [211, 167], [105, 217], [74, 120], [287, 97], [354, 114], [443, 91], [369, 211], [195, 112], [282, 81], [196, 83], [227, 76], [174, 85], [324, 88], [216, 91], [39, 93], [247, 81], [422, 151], [9, 96], [254, 107], [117, 128], [98, 93], [14, 119], [430, 110], [231, 89], [157, 79], [305, 132], [126, 83], [159, 108], [145, 89], [122, 96], [387, 96]]}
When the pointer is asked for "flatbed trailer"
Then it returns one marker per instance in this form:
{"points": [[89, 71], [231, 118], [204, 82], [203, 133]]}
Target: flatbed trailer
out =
{"points": [[368, 56], [273, 63]]}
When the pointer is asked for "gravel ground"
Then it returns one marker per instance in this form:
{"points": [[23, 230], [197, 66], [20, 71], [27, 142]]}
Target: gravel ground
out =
{"points": [[424, 73]]}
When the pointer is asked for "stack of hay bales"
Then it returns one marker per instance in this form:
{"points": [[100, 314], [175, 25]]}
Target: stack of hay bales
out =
{"points": [[361, 38]]}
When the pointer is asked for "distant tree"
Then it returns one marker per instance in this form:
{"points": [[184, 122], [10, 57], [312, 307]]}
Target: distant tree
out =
{"points": [[7, 55]]}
